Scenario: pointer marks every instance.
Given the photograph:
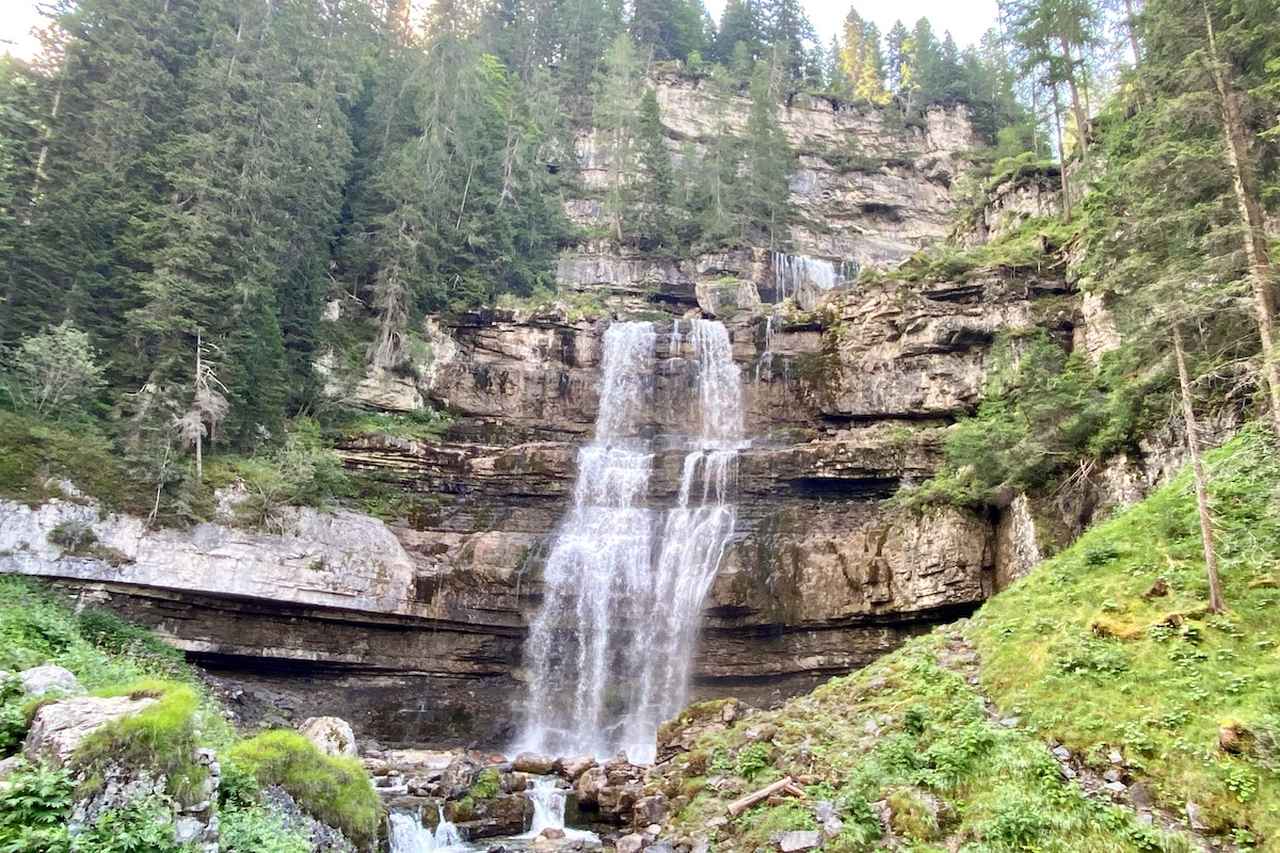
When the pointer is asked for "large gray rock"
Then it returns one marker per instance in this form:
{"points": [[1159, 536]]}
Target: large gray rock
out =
{"points": [[49, 678], [60, 727], [331, 735], [340, 559]]}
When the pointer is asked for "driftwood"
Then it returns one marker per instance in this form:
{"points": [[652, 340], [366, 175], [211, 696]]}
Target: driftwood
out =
{"points": [[783, 786]]}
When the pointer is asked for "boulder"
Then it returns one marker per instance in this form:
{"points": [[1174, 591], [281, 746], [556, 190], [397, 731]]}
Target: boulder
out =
{"points": [[49, 678], [59, 728], [574, 766], [650, 810], [589, 786], [535, 763], [458, 777], [632, 843], [331, 735]]}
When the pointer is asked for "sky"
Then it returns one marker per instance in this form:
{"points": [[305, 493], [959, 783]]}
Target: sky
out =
{"points": [[16, 21], [966, 19]]}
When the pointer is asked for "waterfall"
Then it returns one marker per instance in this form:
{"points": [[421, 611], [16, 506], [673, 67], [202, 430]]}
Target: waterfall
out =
{"points": [[802, 278], [610, 650], [406, 834]]}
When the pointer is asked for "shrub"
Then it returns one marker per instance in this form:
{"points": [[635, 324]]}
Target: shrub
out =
{"points": [[257, 830], [753, 759], [487, 784], [335, 791], [34, 802], [55, 374]]}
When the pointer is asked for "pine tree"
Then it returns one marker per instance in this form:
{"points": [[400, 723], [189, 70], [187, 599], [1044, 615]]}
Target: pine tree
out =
{"points": [[652, 196], [764, 197], [739, 24], [616, 120], [895, 55], [870, 83]]}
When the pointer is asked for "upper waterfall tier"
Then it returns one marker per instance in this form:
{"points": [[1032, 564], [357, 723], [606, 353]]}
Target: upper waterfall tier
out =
{"points": [[610, 649]]}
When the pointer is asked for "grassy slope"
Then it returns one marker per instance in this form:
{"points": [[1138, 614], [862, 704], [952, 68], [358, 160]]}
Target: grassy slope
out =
{"points": [[1079, 652], [911, 729]]}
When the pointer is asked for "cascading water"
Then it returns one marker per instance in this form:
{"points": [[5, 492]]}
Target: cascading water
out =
{"points": [[610, 650], [548, 810], [802, 278], [406, 834]]}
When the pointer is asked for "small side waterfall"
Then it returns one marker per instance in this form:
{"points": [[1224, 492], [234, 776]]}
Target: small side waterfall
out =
{"points": [[802, 278], [610, 650], [406, 834]]}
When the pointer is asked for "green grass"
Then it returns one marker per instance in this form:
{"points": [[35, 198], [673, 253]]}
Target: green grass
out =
{"points": [[334, 790], [1080, 653], [909, 730], [164, 737]]}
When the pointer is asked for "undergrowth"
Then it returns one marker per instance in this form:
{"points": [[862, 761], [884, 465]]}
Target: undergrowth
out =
{"points": [[1090, 650]]}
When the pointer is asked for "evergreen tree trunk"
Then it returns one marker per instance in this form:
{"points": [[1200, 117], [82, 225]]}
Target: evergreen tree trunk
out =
{"points": [[199, 441], [1062, 157], [1077, 111], [1197, 466], [1245, 183], [1131, 29]]}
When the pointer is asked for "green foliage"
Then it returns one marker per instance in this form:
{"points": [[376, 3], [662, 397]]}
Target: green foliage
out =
{"points": [[163, 736], [753, 760], [34, 803], [55, 374], [258, 830], [335, 791], [13, 715], [1042, 412], [1035, 247], [1165, 678], [421, 425], [304, 471], [145, 825]]}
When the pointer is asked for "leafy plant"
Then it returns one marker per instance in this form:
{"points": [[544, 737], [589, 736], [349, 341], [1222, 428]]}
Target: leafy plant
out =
{"points": [[34, 803]]}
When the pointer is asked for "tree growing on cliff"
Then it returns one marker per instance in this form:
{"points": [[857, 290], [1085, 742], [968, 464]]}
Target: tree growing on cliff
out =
{"points": [[764, 196], [652, 198], [616, 119]]}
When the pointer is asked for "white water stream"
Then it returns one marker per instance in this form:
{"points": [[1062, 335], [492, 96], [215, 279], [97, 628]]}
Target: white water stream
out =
{"points": [[406, 834], [610, 650]]}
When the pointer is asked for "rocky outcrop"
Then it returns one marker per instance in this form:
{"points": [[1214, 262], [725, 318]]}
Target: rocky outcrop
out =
{"points": [[58, 729], [414, 631], [868, 187], [338, 559]]}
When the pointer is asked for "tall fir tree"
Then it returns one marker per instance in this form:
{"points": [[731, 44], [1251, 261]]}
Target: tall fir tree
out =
{"points": [[764, 198], [652, 196]]}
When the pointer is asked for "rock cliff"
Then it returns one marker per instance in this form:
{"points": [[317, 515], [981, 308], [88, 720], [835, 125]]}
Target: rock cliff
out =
{"points": [[414, 631]]}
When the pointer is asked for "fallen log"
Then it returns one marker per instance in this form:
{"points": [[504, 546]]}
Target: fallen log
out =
{"points": [[785, 785]]}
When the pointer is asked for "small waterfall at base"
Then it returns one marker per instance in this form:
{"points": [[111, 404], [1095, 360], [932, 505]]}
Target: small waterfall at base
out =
{"points": [[406, 834], [548, 810], [610, 649]]}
